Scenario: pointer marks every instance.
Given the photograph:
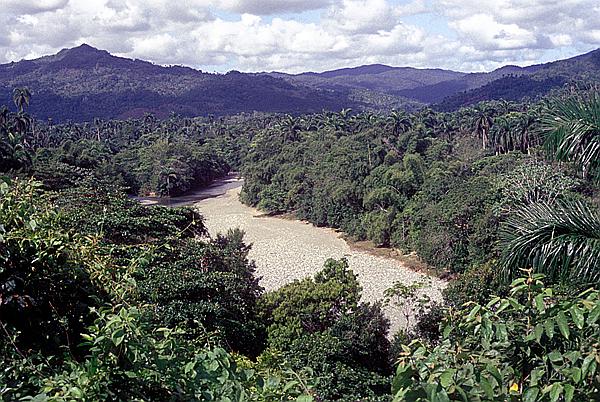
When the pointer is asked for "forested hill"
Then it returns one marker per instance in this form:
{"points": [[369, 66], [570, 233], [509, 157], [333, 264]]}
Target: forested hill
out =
{"points": [[84, 83], [379, 86], [514, 83], [388, 87]]}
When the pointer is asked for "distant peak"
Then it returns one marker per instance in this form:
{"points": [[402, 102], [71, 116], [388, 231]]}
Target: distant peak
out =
{"points": [[85, 48], [509, 68], [81, 56], [359, 70]]}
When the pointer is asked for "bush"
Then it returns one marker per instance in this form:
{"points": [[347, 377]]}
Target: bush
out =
{"points": [[458, 229], [206, 286], [45, 288], [344, 342], [130, 359], [533, 345], [475, 285]]}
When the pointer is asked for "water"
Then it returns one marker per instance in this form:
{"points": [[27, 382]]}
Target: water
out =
{"points": [[219, 187]]}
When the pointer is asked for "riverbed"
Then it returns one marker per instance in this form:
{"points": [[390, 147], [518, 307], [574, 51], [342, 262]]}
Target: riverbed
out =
{"points": [[286, 250]]}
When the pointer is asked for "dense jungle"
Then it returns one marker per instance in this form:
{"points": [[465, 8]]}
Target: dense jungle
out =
{"points": [[102, 298]]}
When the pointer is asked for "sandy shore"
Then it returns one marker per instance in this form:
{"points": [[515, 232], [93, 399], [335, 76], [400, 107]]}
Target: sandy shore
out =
{"points": [[285, 250]]}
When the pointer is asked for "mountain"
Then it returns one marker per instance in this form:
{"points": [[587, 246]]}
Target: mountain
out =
{"points": [[449, 90], [376, 77], [517, 83], [377, 86], [83, 83]]}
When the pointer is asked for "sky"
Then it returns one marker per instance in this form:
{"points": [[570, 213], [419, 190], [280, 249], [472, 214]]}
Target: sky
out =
{"points": [[306, 35]]}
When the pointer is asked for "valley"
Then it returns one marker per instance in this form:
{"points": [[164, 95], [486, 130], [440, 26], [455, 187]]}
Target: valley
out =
{"points": [[137, 265], [286, 250]]}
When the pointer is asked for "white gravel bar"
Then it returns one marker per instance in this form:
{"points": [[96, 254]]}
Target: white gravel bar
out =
{"points": [[285, 250]]}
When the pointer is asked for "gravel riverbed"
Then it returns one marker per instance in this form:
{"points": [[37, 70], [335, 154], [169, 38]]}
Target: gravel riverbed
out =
{"points": [[285, 250]]}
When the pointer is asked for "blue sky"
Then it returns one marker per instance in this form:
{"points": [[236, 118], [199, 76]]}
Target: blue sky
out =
{"points": [[306, 35]]}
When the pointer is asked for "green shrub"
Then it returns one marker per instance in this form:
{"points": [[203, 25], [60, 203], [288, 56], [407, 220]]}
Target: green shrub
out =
{"points": [[477, 284], [206, 285], [45, 287], [320, 324], [533, 345]]}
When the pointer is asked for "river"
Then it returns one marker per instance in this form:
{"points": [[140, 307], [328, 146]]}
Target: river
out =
{"points": [[219, 187], [286, 250]]}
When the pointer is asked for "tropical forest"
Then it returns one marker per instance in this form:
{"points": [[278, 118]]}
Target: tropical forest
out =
{"points": [[352, 237]]}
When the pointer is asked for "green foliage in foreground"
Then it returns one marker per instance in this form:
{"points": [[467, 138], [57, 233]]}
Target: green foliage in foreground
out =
{"points": [[46, 283], [572, 128], [534, 345], [74, 327], [475, 285], [130, 360], [319, 323], [560, 240]]}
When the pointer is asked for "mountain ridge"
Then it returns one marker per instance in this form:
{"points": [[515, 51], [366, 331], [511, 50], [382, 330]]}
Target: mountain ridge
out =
{"points": [[84, 82]]}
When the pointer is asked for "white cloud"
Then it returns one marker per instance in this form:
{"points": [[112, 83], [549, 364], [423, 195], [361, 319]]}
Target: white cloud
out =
{"points": [[526, 24], [411, 8], [264, 35], [33, 7], [560, 40], [483, 30], [269, 7], [362, 16]]}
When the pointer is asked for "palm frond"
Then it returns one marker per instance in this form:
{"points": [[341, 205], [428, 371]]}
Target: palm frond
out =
{"points": [[572, 131], [561, 241]]}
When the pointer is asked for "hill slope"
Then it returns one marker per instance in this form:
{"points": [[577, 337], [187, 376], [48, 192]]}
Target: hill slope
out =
{"points": [[532, 81], [377, 86], [449, 90], [83, 83]]}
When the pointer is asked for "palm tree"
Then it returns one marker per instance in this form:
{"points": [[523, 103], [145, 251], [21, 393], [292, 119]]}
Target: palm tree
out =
{"points": [[365, 120], [526, 123], [559, 240], [4, 116], [310, 123], [502, 135], [400, 122], [503, 106], [98, 125], [22, 122], [289, 127], [483, 123], [21, 97], [339, 121], [572, 131], [345, 113], [14, 153], [426, 119], [149, 122]]}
